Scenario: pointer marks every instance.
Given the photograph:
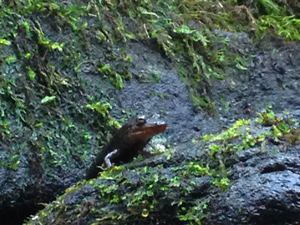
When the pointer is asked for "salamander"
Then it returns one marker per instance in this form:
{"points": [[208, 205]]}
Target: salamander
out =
{"points": [[127, 143]]}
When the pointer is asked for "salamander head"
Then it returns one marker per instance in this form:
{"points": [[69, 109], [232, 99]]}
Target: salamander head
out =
{"points": [[142, 129]]}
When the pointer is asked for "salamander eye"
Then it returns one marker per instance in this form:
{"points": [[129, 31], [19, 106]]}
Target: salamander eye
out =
{"points": [[140, 120]]}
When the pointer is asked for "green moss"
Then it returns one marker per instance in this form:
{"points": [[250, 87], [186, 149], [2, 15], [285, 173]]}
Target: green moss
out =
{"points": [[282, 129], [171, 28], [195, 213], [142, 194], [240, 137], [113, 76], [103, 109], [284, 26], [270, 6], [53, 114], [13, 163]]}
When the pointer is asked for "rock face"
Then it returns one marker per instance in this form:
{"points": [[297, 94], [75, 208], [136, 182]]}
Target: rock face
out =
{"points": [[169, 97], [171, 188], [265, 184], [265, 190]]}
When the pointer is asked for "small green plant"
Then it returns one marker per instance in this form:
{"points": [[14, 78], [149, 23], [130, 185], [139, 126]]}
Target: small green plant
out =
{"points": [[10, 59], [48, 99], [157, 94], [286, 26], [112, 75], [268, 117], [4, 42], [194, 214], [12, 164], [218, 177], [240, 63], [31, 73], [195, 35], [45, 41], [281, 129], [197, 169], [270, 6], [156, 78], [223, 184], [86, 135], [236, 138], [103, 109], [5, 128], [27, 28], [231, 133]]}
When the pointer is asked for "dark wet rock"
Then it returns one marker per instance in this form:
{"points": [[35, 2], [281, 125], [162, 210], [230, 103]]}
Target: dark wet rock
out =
{"points": [[31, 183], [173, 106], [265, 190], [265, 184], [272, 79]]}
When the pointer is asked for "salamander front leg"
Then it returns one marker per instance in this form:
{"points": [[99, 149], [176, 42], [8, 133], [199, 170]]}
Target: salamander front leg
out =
{"points": [[107, 158]]}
